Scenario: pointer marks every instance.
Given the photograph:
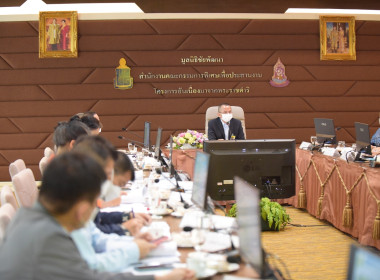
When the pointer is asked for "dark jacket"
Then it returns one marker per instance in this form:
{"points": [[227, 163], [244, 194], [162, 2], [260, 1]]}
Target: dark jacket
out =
{"points": [[216, 131]]}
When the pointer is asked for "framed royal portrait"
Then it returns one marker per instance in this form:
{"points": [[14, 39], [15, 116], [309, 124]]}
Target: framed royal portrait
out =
{"points": [[58, 34], [337, 37]]}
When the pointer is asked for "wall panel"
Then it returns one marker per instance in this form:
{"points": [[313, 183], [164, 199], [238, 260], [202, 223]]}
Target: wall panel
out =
{"points": [[37, 93]]}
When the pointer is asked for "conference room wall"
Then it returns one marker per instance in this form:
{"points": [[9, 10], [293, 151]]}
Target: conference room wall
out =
{"points": [[37, 93]]}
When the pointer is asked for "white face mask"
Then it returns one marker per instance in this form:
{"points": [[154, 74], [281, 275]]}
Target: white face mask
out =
{"points": [[109, 191], [226, 117]]}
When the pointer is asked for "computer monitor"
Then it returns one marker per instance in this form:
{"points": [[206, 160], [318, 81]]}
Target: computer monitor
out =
{"points": [[325, 131], [268, 164], [363, 140], [363, 264], [199, 194], [249, 227], [157, 150], [147, 135]]}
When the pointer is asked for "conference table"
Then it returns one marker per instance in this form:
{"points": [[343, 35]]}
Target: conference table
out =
{"points": [[346, 194], [244, 270]]}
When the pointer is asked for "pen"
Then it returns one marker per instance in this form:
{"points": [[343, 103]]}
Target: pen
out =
{"points": [[133, 214]]}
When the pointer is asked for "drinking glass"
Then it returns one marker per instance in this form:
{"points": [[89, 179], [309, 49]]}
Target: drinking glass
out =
{"points": [[131, 147], [313, 140]]}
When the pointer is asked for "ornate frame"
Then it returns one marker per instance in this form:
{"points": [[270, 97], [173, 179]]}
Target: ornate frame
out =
{"points": [[60, 47], [337, 46]]}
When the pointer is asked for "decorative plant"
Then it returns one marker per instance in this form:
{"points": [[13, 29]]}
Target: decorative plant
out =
{"points": [[272, 213], [191, 137]]}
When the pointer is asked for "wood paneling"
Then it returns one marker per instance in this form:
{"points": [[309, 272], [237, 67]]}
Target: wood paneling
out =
{"points": [[36, 93]]}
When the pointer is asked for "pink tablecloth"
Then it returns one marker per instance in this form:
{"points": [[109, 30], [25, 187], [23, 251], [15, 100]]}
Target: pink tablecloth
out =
{"points": [[184, 160], [364, 183]]}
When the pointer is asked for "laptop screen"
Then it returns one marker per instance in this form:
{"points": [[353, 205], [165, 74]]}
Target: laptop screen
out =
{"points": [[363, 264], [147, 135], [199, 194], [249, 223], [363, 139], [325, 131]]}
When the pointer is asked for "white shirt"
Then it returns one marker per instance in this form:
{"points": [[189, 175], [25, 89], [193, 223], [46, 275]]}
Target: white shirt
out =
{"points": [[226, 128]]}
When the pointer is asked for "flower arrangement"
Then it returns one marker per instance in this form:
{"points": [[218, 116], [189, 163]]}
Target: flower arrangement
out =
{"points": [[190, 139]]}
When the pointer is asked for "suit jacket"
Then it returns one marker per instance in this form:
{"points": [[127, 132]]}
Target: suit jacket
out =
{"points": [[216, 130], [37, 247]]}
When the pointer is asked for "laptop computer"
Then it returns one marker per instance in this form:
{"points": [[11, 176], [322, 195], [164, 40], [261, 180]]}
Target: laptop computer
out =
{"points": [[363, 264], [363, 139], [325, 131]]}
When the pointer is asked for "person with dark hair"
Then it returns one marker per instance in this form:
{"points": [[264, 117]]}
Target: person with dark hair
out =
{"points": [[120, 222], [91, 242], [91, 119], [225, 127], [65, 134], [38, 244], [124, 170]]}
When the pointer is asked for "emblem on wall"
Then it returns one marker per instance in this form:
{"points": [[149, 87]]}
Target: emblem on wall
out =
{"points": [[279, 78], [123, 78]]}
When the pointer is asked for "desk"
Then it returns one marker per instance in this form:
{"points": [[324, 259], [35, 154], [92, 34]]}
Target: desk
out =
{"points": [[244, 271], [183, 160], [331, 185]]}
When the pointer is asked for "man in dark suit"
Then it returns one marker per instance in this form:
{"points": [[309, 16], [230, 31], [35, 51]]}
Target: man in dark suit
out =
{"points": [[225, 127]]}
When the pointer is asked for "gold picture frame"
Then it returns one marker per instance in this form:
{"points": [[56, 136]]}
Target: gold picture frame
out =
{"points": [[58, 34], [337, 37]]}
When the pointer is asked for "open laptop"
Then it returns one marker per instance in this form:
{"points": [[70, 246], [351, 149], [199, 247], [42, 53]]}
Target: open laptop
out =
{"points": [[325, 131], [363, 264], [249, 224], [363, 139]]}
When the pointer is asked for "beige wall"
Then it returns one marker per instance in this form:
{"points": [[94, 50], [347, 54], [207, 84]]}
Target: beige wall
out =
{"points": [[37, 93]]}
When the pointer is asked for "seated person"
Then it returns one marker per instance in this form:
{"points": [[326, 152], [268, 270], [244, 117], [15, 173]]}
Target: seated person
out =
{"points": [[65, 134], [91, 242], [38, 244], [225, 127], [119, 222], [91, 119]]}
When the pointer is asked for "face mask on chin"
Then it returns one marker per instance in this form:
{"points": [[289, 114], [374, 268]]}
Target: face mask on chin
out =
{"points": [[226, 117]]}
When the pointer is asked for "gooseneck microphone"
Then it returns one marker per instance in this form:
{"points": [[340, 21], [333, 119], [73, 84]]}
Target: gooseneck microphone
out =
{"points": [[177, 188], [126, 130], [132, 141]]}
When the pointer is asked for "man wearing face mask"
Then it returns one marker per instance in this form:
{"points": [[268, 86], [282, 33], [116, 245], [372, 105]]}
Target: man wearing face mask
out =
{"points": [[38, 244], [225, 127]]}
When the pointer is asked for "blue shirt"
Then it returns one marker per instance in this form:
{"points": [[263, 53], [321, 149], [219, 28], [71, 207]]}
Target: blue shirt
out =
{"points": [[375, 141], [93, 245]]}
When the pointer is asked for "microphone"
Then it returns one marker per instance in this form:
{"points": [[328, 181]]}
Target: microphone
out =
{"points": [[126, 130], [132, 141], [177, 188]]}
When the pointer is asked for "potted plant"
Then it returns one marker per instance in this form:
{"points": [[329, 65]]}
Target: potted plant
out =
{"points": [[273, 215]]}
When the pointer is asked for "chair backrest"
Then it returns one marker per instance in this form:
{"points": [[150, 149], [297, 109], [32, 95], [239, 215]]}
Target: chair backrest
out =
{"points": [[6, 214], [25, 188], [7, 196], [48, 152], [237, 112], [16, 166], [43, 163]]}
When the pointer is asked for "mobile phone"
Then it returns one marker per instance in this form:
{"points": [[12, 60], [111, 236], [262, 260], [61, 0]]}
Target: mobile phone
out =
{"points": [[159, 240]]}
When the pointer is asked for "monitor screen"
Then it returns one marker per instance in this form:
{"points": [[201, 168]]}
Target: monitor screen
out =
{"points": [[147, 135], [199, 194], [363, 264], [363, 140], [249, 224], [325, 131], [158, 143], [268, 164]]}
